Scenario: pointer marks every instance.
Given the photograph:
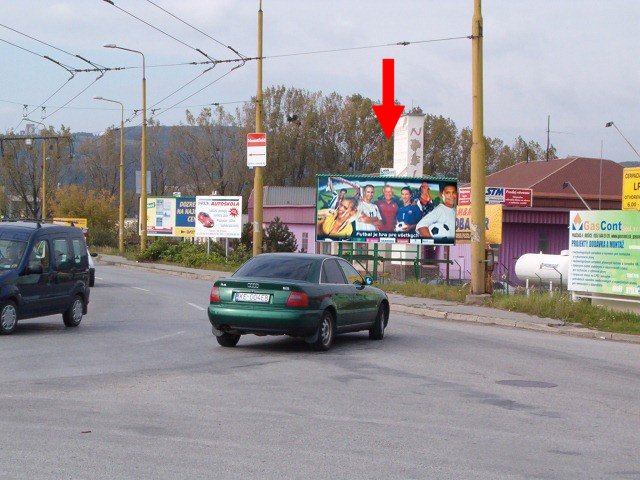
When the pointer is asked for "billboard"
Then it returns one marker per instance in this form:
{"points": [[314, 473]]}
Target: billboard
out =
{"points": [[362, 208], [171, 216], [631, 188], [218, 217], [493, 224], [509, 197], [604, 252]]}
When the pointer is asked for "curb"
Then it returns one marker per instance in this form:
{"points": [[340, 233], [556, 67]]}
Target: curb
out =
{"points": [[421, 311], [557, 329]]}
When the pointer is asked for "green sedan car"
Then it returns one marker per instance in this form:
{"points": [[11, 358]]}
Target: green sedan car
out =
{"points": [[302, 295]]}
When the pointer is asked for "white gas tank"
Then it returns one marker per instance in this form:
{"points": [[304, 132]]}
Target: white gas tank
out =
{"points": [[542, 267]]}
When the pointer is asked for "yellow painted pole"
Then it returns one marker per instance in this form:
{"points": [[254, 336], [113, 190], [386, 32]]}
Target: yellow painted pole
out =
{"points": [[478, 160], [121, 206], [257, 179], [44, 180], [143, 166]]}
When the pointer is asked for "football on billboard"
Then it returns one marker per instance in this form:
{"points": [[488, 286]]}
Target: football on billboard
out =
{"points": [[400, 226], [440, 230]]}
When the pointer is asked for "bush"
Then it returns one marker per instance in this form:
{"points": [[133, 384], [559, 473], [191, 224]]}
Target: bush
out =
{"points": [[240, 254], [103, 237]]}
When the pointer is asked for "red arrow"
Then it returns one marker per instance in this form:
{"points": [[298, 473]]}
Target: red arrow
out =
{"points": [[388, 113]]}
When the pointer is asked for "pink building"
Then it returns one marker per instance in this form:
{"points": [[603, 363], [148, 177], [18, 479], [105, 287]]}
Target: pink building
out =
{"points": [[296, 207]]}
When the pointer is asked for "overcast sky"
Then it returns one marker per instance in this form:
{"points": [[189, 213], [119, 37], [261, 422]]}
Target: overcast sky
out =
{"points": [[575, 60]]}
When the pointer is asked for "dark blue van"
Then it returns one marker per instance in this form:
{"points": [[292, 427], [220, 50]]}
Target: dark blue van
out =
{"points": [[44, 270]]}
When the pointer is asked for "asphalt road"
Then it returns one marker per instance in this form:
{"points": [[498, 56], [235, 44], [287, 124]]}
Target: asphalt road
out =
{"points": [[141, 390]]}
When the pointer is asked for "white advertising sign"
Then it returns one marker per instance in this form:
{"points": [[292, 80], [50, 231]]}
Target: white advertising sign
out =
{"points": [[219, 217], [256, 150], [408, 146]]}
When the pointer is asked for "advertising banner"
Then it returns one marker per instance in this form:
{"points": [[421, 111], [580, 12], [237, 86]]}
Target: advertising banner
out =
{"points": [[361, 208], [604, 251], [73, 221], [219, 217], [509, 197], [171, 216], [493, 224], [631, 188]]}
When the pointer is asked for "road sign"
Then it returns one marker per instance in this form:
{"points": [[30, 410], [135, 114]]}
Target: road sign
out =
{"points": [[631, 189], [256, 150]]}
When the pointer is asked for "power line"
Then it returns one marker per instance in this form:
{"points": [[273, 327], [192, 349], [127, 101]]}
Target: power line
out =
{"points": [[198, 91], [76, 96], [51, 46], [159, 30], [197, 29]]}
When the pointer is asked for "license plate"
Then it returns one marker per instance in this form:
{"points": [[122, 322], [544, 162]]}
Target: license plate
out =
{"points": [[252, 297]]}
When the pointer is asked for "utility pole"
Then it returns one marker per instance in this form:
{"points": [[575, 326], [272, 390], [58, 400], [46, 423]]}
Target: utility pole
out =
{"points": [[257, 179], [548, 132], [478, 160]]}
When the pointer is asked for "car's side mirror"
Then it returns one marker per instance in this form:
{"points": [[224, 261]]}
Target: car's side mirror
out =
{"points": [[368, 280], [93, 254], [34, 268]]}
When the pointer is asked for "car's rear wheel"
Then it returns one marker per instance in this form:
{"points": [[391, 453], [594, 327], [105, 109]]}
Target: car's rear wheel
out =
{"points": [[228, 339], [326, 332], [73, 315], [8, 317], [377, 331]]}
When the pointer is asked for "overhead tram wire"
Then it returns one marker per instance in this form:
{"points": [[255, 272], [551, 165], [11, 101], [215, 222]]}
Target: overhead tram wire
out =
{"points": [[110, 2], [76, 96], [198, 30], [95, 65], [196, 92], [245, 59]]}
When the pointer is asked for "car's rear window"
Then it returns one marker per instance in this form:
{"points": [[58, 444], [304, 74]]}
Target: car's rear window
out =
{"points": [[277, 267]]}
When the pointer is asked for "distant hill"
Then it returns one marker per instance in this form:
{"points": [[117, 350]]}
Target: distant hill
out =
{"points": [[630, 164]]}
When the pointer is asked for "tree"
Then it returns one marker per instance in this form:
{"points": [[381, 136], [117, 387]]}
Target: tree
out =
{"points": [[100, 162], [21, 167], [441, 146], [98, 207], [278, 238]]}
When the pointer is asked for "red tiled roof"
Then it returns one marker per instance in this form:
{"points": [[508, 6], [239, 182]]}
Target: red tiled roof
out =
{"points": [[591, 177]]}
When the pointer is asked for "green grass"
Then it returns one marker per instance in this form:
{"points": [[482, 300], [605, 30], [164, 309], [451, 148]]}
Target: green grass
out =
{"points": [[559, 307], [133, 254], [413, 288]]}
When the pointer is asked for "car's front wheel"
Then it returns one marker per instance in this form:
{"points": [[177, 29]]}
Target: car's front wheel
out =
{"points": [[73, 315], [8, 317], [377, 331], [325, 332], [228, 339]]}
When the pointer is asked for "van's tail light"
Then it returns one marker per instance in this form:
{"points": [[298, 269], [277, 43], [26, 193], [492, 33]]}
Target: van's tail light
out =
{"points": [[214, 296], [297, 299]]}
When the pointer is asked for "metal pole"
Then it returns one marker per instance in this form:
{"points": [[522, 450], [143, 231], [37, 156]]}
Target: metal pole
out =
{"points": [[121, 199], [44, 180], [143, 164], [478, 160], [257, 179]]}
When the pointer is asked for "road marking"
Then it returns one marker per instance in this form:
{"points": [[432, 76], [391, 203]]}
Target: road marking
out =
{"points": [[143, 289], [196, 306], [100, 278], [162, 337]]}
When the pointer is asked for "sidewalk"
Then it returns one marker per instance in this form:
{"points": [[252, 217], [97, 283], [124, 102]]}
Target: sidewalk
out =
{"points": [[426, 307]]}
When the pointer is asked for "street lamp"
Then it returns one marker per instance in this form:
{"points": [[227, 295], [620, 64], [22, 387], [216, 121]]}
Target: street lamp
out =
{"points": [[568, 184], [611, 124], [43, 210], [121, 207], [143, 152]]}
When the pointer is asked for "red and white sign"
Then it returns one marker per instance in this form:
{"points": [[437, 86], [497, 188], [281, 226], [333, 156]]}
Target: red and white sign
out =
{"points": [[509, 197], [256, 150]]}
